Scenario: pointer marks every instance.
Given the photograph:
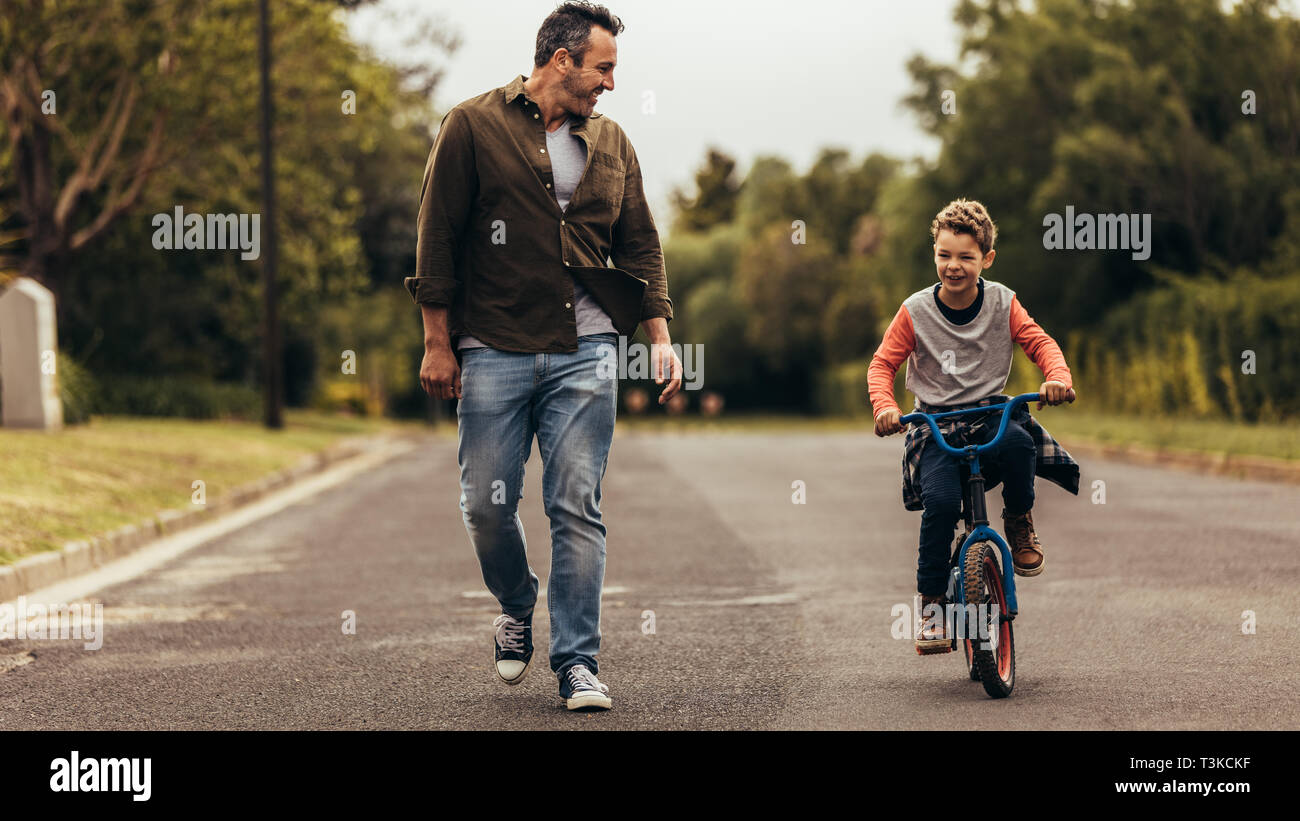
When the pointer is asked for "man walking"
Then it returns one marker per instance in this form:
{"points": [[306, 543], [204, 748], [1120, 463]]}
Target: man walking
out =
{"points": [[527, 195]]}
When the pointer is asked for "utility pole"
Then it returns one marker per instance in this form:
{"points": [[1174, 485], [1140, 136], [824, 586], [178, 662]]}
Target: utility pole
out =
{"points": [[272, 360]]}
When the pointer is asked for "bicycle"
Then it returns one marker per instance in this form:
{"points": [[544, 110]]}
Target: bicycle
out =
{"points": [[975, 576]]}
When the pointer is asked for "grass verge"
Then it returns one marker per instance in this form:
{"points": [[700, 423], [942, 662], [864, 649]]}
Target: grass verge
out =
{"points": [[90, 479]]}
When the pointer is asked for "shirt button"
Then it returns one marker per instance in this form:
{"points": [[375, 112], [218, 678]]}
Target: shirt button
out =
{"points": [[561, 222], [548, 185], [543, 150], [535, 116], [567, 305]]}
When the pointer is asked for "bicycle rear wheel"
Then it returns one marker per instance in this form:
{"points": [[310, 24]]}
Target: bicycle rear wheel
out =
{"points": [[994, 657]]}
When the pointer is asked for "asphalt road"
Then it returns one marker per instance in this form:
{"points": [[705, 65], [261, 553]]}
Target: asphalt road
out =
{"points": [[767, 614]]}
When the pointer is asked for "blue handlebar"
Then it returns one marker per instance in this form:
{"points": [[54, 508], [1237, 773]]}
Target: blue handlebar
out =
{"points": [[1007, 408]]}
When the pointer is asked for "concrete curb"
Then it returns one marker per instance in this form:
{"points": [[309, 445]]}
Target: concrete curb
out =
{"points": [[1260, 468], [84, 555]]}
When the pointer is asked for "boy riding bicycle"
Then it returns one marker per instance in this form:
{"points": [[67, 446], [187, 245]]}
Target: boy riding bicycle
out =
{"points": [[957, 338]]}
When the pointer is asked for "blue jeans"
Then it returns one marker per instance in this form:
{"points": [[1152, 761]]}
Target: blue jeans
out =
{"points": [[563, 399], [1012, 463]]}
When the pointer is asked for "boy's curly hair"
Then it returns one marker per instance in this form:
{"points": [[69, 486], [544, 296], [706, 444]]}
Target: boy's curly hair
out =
{"points": [[962, 216]]}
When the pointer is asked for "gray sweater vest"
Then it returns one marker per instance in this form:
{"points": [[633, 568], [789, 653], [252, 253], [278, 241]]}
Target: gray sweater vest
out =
{"points": [[956, 364]]}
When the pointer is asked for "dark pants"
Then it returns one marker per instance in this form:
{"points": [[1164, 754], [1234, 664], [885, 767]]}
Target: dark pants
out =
{"points": [[1012, 463]]}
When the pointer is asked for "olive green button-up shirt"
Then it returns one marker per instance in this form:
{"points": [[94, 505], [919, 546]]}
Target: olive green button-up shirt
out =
{"points": [[495, 247]]}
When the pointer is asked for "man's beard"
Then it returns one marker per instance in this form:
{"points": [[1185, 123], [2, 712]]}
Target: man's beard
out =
{"points": [[580, 95]]}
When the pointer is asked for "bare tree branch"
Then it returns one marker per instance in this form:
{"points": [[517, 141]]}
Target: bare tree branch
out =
{"points": [[116, 205]]}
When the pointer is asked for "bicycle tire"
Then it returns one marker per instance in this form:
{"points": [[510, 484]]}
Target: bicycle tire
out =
{"points": [[956, 556], [982, 584], [970, 662]]}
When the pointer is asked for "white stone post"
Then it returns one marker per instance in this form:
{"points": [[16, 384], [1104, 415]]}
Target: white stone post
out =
{"points": [[28, 346]]}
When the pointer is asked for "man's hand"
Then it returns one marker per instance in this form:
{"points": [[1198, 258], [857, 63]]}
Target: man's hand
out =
{"points": [[664, 363], [439, 373], [1054, 393], [887, 422]]}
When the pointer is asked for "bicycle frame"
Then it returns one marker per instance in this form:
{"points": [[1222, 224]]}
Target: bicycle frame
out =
{"points": [[979, 513]]}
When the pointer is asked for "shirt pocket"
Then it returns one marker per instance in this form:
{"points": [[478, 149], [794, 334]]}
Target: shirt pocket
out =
{"points": [[607, 175]]}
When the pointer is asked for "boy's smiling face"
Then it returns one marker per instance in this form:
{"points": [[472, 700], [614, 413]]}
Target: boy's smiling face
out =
{"points": [[958, 261]]}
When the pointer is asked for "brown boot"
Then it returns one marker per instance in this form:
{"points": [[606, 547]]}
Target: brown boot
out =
{"points": [[931, 636], [1026, 551]]}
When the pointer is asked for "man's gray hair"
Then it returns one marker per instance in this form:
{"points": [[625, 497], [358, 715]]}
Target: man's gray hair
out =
{"points": [[569, 27]]}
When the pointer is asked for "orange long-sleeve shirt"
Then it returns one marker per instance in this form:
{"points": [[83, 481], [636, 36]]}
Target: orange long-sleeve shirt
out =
{"points": [[900, 341]]}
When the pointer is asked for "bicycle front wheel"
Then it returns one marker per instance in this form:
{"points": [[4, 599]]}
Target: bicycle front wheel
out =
{"points": [[990, 643]]}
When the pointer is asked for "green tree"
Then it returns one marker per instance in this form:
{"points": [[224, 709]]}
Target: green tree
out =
{"points": [[784, 286], [1115, 107], [837, 195], [85, 91], [348, 186], [714, 200]]}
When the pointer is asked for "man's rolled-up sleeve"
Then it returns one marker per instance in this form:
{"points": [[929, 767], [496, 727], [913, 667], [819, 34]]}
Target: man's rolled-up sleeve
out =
{"points": [[446, 200], [636, 247]]}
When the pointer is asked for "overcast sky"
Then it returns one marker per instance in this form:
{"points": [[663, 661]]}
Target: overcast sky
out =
{"points": [[752, 78]]}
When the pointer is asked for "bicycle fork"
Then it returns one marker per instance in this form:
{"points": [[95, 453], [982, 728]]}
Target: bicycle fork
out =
{"points": [[980, 531]]}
